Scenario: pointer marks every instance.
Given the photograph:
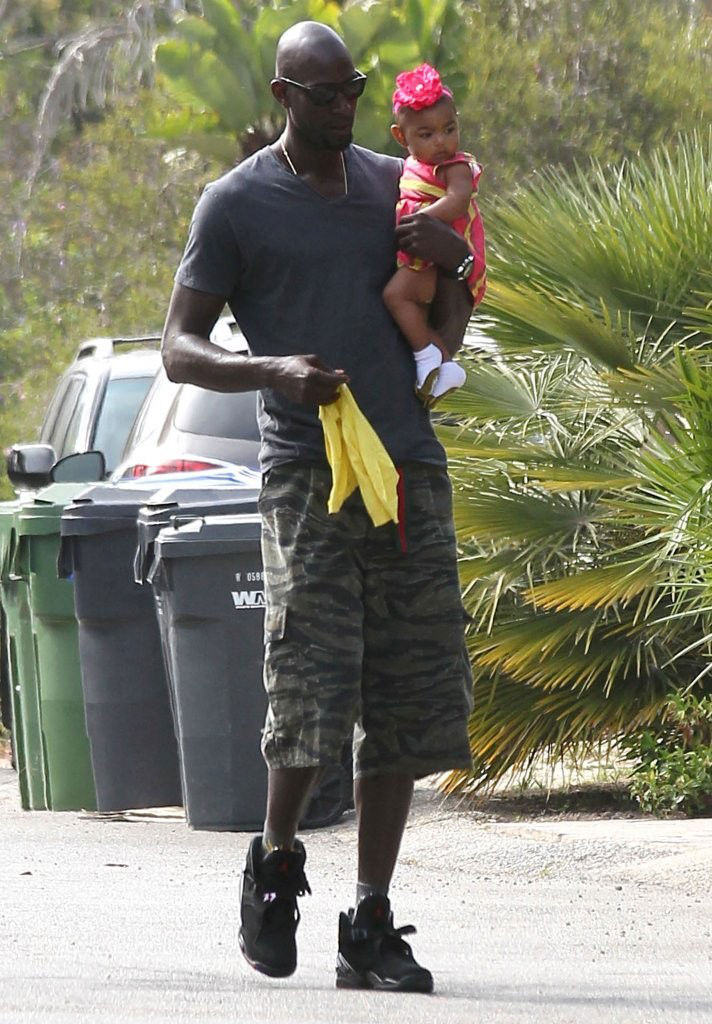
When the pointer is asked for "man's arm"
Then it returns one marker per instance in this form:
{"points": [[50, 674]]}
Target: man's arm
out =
{"points": [[450, 312], [190, 357], [431, 240]]}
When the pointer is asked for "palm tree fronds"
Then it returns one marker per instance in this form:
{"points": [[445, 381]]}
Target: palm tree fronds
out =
{"points": [[583, 489], [597, 588]]}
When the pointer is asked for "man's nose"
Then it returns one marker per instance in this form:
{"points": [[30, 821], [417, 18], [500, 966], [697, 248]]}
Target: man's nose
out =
{"points": [[344, 105]]}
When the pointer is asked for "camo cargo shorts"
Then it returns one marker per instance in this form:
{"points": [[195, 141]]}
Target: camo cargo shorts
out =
{"points": [[363, 626]]}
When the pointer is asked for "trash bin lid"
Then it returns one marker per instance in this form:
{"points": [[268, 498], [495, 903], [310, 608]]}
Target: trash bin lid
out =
{"points": [[41, 515], [167, 503], [105, 508], [211, 535], [164, 502]]}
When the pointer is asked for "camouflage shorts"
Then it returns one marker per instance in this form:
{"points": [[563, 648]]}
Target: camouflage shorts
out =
{"points": [[363, 626]]}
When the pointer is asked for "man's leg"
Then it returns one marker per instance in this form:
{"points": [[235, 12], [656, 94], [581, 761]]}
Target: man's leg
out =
{"points": [[372, 953], [312, 672], [415, 703], [382, 805], [288, 790], [274, 876]]}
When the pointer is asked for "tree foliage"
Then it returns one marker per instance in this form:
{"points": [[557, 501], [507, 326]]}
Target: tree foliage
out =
{"points": [[559, 83], [107, 229], [537, 83], [63, 63], [220, 65]]}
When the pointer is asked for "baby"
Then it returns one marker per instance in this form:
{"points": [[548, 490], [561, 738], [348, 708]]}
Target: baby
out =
{"points": [[440, 181]]}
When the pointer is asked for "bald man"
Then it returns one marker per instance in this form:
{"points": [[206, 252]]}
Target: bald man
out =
{"points": [[363, 625]]}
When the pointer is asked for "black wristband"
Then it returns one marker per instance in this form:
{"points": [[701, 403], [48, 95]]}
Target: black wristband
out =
{"points": [[462, 271]]}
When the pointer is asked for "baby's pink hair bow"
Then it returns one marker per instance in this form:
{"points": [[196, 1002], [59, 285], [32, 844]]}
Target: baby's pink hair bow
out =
{"points": [[418, 88]]}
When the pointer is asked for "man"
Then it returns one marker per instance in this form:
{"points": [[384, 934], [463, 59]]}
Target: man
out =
{"points": [[362, 625]]}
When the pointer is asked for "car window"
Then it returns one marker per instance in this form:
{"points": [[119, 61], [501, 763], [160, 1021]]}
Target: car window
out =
{"points": [[153, 412], [55, 405], [69, 408], [69, 444], [232, 415], [122, 399]]}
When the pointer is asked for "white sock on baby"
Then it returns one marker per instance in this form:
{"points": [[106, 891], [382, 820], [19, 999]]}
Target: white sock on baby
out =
{"points": [[451, 375], [427, 360]]}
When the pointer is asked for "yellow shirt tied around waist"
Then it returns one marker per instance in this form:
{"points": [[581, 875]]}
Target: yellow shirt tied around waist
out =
{"points": [[358, 459]]}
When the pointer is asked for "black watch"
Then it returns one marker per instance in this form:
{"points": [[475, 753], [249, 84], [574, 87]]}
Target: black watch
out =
{"points": [[463, 270]]}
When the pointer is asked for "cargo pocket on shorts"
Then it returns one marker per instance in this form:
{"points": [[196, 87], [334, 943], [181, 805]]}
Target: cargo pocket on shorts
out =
{"points": [[283, 740]]}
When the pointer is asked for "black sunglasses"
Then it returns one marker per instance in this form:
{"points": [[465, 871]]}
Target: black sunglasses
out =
{"points": [[324, 93]]}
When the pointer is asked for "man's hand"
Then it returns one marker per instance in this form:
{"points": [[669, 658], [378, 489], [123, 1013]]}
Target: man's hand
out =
{"points": [[307, 380], [432, 240]]}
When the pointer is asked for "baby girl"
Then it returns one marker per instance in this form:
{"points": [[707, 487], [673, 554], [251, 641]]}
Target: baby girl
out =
{"points": [[441, 181]]}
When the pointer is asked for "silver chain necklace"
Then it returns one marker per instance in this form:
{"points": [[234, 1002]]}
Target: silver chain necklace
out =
{"points": [[293, 169]]}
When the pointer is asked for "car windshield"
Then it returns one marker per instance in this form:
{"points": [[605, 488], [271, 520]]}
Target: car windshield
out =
{"points": [[121, 402], [214, 414]]}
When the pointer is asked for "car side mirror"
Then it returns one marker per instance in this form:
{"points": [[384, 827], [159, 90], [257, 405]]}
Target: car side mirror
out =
{"points": [[82, 467], [29, 466]]}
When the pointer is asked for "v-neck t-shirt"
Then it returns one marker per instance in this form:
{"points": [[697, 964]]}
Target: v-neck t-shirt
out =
{"points": [[304, 274]]}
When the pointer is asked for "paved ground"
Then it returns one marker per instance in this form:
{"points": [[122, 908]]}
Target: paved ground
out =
{"points": [[566, 921]]}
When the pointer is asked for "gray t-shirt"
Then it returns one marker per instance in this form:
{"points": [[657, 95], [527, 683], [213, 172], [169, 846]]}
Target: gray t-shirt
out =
{"points": [[303, 275]]}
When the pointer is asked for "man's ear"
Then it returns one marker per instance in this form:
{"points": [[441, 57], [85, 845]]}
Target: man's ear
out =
{"points": [[397, 133], [279, 91]]}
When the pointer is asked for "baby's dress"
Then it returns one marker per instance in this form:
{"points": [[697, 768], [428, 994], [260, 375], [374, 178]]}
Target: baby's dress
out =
{"points": [[419, 187]]}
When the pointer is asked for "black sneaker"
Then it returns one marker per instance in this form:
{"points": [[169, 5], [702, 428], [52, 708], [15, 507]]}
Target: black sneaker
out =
{"points": [[268, 907], [373, 954]]}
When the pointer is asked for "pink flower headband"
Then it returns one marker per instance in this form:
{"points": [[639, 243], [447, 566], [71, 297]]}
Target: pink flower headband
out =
{"points": [[418, 88]]}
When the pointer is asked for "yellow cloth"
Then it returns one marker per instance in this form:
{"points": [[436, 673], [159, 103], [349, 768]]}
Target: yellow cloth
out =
{"points": [[358, 459]]}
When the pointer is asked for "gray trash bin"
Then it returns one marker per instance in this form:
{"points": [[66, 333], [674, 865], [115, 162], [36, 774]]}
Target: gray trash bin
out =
{"points": [[129, 719], [176, 503], [207, 576]]}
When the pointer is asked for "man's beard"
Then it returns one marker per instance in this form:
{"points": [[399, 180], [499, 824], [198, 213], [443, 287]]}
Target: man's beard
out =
{"points": [[321, 139], [340, 146]]}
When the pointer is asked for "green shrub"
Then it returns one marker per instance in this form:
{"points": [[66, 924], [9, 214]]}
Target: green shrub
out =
{"points": [[674, 761]]}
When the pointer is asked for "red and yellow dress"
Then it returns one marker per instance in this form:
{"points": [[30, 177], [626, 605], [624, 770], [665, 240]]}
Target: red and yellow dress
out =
{"points": [[419, 187]]}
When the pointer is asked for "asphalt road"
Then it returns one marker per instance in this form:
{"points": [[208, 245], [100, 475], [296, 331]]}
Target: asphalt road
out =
{"points": [[573, 921]]}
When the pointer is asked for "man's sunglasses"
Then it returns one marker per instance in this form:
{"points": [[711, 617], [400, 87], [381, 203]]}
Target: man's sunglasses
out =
{"points": [[324, 93]]}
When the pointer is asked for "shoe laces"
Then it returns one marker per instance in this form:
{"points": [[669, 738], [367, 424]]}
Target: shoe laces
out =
{"points": [[279, 887], [387, 933], [383, 932], [283, 880]]}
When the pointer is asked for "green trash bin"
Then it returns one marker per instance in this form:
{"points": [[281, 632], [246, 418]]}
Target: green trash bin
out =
{"points": [[27, 742], [66, 747]]}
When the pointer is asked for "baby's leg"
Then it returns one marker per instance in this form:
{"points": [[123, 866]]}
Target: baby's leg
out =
{"points": [[450, 314], [408, 295]]}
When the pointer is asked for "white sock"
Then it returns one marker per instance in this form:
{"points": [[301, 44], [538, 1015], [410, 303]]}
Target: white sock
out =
{"points": [[451, 376], [427, 360]]}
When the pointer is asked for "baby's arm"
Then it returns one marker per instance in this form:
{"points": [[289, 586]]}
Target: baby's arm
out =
{"points": [[458, 179]]}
